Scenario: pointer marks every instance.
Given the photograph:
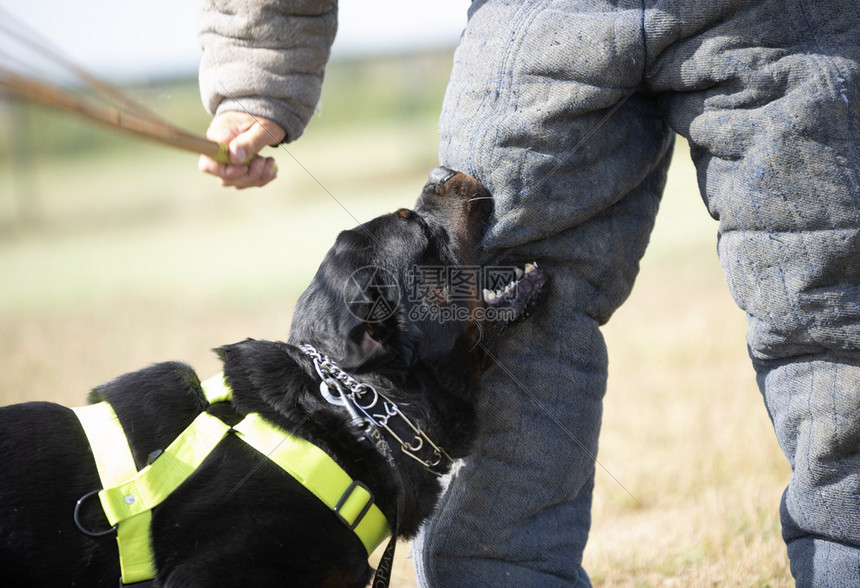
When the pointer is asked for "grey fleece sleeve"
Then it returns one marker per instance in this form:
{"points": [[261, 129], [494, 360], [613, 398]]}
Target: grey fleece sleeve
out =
{"points": [[266, 57]]}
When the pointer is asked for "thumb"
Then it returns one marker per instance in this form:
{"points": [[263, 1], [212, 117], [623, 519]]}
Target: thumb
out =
{"points": [[250, 142]]}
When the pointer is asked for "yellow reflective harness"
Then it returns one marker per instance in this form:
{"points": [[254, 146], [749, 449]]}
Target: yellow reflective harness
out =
{"points": [[128, 495]]}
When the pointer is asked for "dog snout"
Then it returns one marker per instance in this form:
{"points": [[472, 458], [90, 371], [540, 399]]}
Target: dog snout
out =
{"points": [[440, 175]]}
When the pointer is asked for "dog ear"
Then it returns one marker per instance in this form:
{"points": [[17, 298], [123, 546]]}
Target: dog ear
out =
{"points": [[371, 346]]}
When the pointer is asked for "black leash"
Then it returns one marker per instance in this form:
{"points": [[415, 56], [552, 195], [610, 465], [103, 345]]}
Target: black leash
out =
{"points": [[382, 577]]}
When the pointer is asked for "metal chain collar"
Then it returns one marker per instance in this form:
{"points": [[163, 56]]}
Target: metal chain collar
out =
{"points": [[371, 411]]}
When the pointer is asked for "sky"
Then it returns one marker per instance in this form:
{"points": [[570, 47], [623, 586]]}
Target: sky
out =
{"points": [[127, 40]]}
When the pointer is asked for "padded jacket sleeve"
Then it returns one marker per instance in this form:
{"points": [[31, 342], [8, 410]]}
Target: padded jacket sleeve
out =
{"points": [[266, 57]]}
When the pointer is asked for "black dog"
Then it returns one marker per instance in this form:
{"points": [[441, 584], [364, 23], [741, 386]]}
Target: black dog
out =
{"points": [[397, 304]]}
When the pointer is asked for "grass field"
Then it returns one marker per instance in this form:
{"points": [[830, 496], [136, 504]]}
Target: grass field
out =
{"points": [[115, 254]]}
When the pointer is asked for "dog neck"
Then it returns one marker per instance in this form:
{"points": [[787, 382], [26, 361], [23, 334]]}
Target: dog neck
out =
{"points": [[280, 382], [376, 418]]}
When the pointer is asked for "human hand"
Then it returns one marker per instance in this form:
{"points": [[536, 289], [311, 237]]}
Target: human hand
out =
{"points": [[245, 135]]}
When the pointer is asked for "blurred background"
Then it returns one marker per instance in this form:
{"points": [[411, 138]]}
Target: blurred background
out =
{"points": [[116, 253]]}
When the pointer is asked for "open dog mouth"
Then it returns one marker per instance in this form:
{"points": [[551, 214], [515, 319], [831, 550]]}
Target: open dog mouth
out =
{"points": [[521, 294]]}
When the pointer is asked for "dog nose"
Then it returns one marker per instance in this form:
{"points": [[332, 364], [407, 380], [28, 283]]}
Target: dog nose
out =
{"points": [[440, 175]]}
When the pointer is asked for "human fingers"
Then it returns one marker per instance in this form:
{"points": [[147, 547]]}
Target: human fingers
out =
{"points": [[245, 135], [258, 134], [259, 172]]}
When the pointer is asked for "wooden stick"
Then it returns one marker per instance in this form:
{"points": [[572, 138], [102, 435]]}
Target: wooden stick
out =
{"points": [[130, 121], [16, 29]]}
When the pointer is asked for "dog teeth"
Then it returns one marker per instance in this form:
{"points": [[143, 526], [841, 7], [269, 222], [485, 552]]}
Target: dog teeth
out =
{"points": [[493, 295], [518, 272], [530, 267]]}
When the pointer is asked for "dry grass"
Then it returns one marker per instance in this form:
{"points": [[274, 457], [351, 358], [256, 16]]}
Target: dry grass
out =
{"points": [[135, 258]]}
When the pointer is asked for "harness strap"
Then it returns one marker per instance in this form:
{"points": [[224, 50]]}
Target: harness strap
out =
{"points": [[128, 496], [154, 483], [313, 468], [350, 500], [215, 389], [110, 450], [115, 465]]}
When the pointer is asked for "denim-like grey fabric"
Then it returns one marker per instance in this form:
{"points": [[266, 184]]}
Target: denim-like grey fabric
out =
{"points": [[266, 57], [566, 110]]}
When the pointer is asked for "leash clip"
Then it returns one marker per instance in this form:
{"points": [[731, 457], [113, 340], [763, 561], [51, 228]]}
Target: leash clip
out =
{"points": [[345, 399]]}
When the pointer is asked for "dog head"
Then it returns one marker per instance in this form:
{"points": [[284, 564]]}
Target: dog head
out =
{"points": [[404, 289], [401, 303]]}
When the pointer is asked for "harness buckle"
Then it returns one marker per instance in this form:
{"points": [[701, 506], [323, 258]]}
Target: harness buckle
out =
{"points": [[347, 497]]}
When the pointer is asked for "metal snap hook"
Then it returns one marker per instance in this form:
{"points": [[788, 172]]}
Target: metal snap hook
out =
{"points": [[326, 387], [329, 385], [78, 522]]}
